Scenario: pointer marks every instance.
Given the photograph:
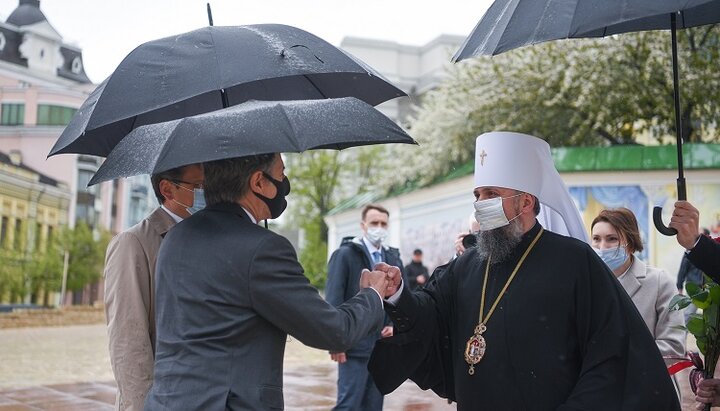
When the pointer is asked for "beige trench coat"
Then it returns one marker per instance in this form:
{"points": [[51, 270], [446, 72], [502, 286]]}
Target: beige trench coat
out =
{"points": [[130, 306]]}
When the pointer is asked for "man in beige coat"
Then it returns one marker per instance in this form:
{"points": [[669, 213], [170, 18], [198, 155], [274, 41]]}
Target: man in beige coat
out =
{"points": [[129, 284]]}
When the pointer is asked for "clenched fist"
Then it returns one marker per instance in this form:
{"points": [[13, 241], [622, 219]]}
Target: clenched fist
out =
{"points": [[394, 278]]}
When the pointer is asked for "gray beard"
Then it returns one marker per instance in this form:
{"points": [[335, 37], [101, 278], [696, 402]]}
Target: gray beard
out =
{"points": [[500, 242]]}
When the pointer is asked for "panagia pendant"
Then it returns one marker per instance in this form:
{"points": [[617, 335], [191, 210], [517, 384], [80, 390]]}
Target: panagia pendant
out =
{"points": [[475, 348]]}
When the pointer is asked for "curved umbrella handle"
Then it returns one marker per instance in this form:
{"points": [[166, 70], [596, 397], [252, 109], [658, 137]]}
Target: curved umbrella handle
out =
{"points": [[661, 227]]}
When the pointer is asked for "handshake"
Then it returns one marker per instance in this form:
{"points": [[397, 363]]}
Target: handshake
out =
{"points": [[384, 278]]}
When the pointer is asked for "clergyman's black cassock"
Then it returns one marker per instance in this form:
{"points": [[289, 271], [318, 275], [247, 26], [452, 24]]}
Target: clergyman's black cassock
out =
{"points": [[565, 336]]}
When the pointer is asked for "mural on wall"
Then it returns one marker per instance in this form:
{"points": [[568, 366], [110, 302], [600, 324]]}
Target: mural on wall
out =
{"points": [[436, 240]]}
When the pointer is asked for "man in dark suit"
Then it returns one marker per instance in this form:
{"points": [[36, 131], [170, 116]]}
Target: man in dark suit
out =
{"points": [[355, 387], [230, 291]]}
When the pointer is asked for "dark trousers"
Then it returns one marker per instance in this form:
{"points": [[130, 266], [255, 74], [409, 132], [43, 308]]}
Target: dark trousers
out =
{"points": [[355, 386]]}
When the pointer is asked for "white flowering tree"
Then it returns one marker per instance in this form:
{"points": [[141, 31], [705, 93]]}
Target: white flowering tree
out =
{"points": [[571, 92]]}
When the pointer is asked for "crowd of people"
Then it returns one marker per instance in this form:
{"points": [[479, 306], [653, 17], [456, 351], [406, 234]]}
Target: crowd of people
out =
{"points": [[200, 298]]}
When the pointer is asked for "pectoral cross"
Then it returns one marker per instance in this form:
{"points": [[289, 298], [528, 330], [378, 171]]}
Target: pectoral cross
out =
{"points": [[482, 156]]}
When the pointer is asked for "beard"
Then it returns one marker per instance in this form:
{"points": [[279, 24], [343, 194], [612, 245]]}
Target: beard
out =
{"points": [[500, 242]]}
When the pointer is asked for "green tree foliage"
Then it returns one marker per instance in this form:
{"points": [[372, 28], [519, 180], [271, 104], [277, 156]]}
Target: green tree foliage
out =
{"points": [[13, 283], [38, 272], [320, 179], [87, 255], [571, 93], [45, 270]]}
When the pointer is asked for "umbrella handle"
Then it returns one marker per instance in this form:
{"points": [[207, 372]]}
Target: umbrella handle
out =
{"points": [[661, 227]]}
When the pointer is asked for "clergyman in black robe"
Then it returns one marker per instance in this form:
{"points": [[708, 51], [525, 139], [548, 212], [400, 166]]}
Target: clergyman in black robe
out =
{"points": [[564, 336]]}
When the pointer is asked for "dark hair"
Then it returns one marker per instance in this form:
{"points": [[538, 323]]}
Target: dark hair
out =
{"points": [[417, 251], [536, 207], [229, 179], [170, 175], [374, 207], [624, 221]]}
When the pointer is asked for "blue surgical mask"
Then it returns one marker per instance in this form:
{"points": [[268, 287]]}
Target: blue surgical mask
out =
{"points": [[614, 258], [198, 201]]}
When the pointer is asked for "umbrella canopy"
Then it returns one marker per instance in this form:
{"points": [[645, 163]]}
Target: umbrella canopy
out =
{"points": [[251, 128], [212, 68], [509, 24]]}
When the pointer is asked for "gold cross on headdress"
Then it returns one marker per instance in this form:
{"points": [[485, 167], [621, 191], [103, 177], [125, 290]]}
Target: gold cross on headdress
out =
{"points": [[482, 156]]}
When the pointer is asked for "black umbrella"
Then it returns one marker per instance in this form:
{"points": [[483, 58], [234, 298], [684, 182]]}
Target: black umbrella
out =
{"points": [[509, 24], [212, 68], [253, 127]]}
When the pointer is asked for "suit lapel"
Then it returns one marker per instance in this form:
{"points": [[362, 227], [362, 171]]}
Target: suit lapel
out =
{"points": [[161, 221], [632, 281]]}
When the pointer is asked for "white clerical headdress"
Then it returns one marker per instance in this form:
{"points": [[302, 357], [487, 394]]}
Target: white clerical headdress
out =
{"points": [[522, 162]]}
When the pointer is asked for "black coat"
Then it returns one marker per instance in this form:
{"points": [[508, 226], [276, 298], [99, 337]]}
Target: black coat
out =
{"points": [[565, 336], [706, 256], [413, 271], [343, 281]]}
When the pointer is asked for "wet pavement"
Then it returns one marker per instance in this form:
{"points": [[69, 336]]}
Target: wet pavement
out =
{"points": [[67, 369]]}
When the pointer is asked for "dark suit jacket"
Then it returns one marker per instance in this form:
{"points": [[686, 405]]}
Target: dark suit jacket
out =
{"points": [[343, 282], [706, 256], [228, 292]]}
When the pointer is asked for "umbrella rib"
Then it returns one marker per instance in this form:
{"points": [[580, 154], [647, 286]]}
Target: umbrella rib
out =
{"points": [[293, 136], [315, 85], [223, 94]]}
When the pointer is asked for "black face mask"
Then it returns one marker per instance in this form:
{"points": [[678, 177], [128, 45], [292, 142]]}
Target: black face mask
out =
{"points": [[277, 204]]}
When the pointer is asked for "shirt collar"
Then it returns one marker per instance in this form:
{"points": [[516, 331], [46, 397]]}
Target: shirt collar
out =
{"points": [[250, 215], [174, 216], [370, 246]]}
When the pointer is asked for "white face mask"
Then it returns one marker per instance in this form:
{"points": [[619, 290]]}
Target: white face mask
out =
{"points": [[376, 235], [490, 214]]}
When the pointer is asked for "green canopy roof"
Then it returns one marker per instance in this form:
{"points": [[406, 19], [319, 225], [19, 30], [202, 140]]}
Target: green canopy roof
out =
{"points": [[576, 159]]}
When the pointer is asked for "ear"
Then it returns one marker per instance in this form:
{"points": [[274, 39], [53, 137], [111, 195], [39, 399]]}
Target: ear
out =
{"points": [[256, 182], [527, 204], [166, 189]]}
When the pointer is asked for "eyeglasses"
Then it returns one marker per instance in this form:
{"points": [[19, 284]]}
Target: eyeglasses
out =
{"points": [[194, 185]]}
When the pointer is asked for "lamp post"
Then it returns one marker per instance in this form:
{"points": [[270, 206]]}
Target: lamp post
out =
{"points": [[66, 259]]}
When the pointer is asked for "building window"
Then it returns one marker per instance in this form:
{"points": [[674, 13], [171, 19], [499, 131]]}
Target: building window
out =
{"points": [[76, 65], [3, 231], [13, 114], [49, 115], [38, 237], [17, 243]]}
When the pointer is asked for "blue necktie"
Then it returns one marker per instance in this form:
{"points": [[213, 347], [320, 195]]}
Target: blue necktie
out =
{"points": [[377, 257]]}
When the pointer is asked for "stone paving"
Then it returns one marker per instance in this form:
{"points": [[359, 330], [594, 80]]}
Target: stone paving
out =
{"points": [[67, 369]]}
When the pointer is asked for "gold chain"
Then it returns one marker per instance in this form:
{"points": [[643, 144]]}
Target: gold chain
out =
{"points": [[507, 283]]}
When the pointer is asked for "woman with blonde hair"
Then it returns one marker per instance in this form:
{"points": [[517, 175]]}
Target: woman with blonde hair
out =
{"points": [[616, 238]]}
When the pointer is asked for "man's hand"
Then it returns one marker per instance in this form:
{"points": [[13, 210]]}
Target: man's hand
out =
{"points": [[459, 247], [387, 331], [338, 357], [686, 220], [708, 392], [420, 279], [393, 276], [374, 279]]}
